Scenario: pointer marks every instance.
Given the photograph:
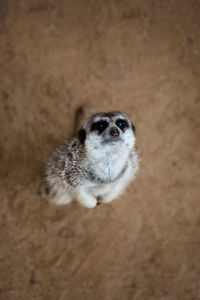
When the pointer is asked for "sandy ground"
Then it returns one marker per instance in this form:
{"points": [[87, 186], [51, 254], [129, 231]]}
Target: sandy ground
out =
{"points": [[140, 57]]}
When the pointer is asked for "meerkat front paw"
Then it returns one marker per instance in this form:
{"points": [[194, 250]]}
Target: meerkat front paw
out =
{"points": [[89, 203], [86, 199]]}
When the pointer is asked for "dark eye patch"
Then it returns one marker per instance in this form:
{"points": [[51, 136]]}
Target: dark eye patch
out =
{"points": [[100, 126], [122, 124]]}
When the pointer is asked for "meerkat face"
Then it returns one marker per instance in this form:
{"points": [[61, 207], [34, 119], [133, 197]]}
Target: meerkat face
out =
{"points": [[108, 130]]}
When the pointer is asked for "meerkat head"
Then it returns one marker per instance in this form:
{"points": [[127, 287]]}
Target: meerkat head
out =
{"points": [[108, 130]]}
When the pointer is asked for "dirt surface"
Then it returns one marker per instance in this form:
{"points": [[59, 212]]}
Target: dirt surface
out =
{"points": [[140, 57]]}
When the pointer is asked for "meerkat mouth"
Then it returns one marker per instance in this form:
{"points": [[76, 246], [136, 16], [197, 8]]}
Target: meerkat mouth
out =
{"points": [[112, 140]]}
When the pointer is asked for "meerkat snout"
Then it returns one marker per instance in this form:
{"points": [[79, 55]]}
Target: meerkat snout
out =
{"points": [[97, 164], [114, 131]]}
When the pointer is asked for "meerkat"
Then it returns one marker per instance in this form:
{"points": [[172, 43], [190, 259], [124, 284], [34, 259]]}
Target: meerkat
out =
{"points": [[96, 166]]}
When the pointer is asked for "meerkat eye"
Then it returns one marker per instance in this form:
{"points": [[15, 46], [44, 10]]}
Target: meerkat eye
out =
{"points": [[100, 126], [122, 124]]}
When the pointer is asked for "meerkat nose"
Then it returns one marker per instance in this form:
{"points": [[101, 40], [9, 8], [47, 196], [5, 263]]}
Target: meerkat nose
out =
{"points": [[114, 131]]}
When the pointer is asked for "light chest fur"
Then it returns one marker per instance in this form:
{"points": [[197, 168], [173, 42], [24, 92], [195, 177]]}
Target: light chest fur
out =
{"points": [[109, 162]]}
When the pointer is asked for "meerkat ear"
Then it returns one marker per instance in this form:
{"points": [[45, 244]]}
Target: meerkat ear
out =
{"points": [[133, 127], [82, 135]]}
